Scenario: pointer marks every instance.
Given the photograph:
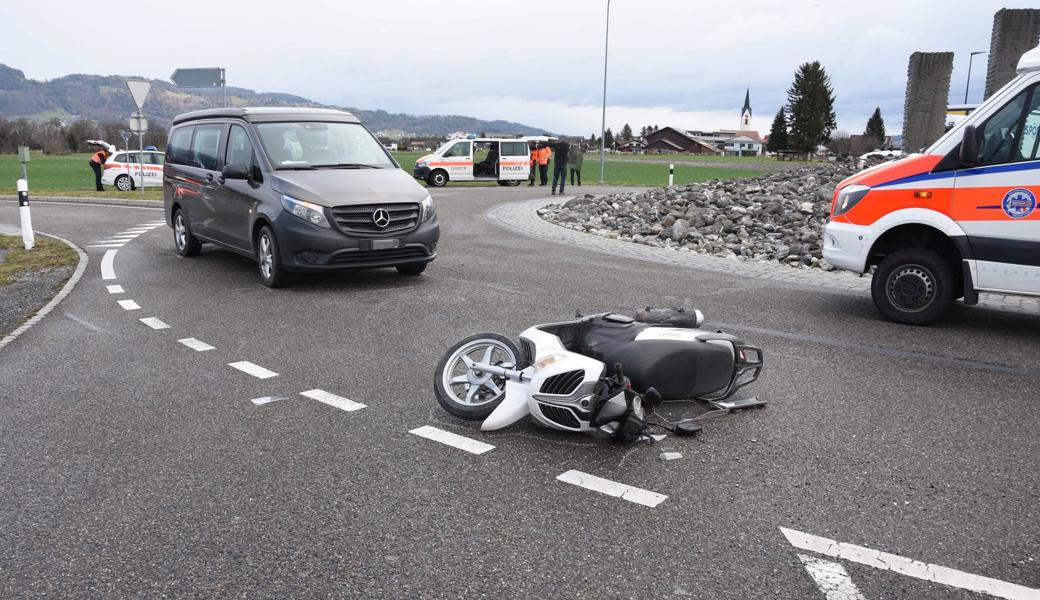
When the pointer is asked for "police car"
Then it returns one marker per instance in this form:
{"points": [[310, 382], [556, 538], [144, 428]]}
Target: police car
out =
{"points": [[505, 160], [957, 219], [125, 169]]}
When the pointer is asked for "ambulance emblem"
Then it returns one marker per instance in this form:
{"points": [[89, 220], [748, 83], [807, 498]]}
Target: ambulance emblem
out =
{"points": [[1019, 203]]}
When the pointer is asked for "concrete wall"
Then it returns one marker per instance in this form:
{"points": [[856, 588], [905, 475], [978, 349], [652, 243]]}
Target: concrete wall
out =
{"points": [[927, 89], [1014, 32]]}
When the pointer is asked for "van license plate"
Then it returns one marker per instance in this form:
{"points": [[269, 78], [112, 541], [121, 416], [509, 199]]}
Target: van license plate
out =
{"points": [[384, 244]]}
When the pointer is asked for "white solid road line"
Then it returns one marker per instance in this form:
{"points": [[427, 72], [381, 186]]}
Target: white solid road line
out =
{"points": [[197, 345], [114, 289], [612, 488], [910, 567], [267, 400], [832, 579], [129, 305], [451, 439], [154, 323], [333, 400], [107, 270], [255, 370]]}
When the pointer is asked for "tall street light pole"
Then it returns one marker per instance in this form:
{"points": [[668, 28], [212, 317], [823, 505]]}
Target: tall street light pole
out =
{"points": [[603, 122], [968, 82]]}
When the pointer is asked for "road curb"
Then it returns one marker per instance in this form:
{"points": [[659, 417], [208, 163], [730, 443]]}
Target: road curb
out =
{"points": [[157, 204], [62, 293]]}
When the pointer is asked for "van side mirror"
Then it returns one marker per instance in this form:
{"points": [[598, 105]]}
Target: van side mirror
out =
{"points": [[235, 171], [969, 147]]}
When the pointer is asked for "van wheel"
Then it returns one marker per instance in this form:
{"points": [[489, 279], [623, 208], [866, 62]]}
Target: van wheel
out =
{"points": [[438, 178], [913, 286], [269, 260], [185, 243], [509, 182], [124, 183]]}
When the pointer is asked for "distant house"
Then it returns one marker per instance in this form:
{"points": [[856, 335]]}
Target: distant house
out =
{"points": [[730, 142], [671, 140]]}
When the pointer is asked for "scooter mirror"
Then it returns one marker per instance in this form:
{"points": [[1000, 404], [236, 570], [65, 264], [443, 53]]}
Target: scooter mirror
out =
{"points": [[652, 398], [687, 428]]}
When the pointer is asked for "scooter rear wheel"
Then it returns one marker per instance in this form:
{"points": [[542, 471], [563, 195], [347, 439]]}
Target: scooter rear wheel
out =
{"points": [[469, 393]]}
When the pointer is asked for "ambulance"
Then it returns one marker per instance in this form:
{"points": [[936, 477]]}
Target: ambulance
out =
{"points": [[126, 170], [505, 160], [959, 218]]}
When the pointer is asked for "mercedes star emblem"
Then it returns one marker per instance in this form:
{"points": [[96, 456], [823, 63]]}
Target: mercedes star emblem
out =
{"points": [[381, 217]]}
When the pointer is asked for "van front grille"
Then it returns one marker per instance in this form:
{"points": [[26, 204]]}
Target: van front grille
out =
{"points": [[361, 218], [377, 257]]}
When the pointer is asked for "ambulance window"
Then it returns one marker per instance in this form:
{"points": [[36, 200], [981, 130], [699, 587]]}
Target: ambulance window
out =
{"points": [[997, 137], [1029, 147], [459, 149]]}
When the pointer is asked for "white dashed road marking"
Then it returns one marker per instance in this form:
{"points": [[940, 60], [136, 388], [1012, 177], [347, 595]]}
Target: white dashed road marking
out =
{"points": [[129, 305], [255, 370], [451, 439], [832, 579], [910, 567], [333, 400], [107, 271], [105, 246], [114, 289], [197, 345], [266, 400], [154, 323], [612, 488]]}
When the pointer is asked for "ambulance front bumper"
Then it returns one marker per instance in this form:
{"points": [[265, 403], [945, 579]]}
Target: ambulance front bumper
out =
{"points": [[846, 246], [421, 172]]}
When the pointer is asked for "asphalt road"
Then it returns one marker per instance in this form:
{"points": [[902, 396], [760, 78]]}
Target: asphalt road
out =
{"points": [[134, 466]]}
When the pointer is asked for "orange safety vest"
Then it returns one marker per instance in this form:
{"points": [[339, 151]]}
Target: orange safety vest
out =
{"points": [[544, 156], [99, 157]]}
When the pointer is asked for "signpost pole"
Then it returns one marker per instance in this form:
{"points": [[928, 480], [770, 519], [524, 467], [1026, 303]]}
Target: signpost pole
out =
{"points": [[140, 157]]}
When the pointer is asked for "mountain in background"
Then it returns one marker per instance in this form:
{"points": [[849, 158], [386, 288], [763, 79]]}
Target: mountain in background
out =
{"points": [[105, 98]]}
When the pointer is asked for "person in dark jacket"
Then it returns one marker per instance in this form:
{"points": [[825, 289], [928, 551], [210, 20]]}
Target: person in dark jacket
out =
{"points": [[575, 160], [560, 151]]}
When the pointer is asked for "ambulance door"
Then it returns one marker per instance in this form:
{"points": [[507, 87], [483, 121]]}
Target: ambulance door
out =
{"points": [[515, 162], [457, 161], [995, 200]]}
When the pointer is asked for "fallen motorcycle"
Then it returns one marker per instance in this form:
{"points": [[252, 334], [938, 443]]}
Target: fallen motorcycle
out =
{"points": [[605, 372]]}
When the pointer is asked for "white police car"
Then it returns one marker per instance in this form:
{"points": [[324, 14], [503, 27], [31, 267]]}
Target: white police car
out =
{"points": [[125, 169]]}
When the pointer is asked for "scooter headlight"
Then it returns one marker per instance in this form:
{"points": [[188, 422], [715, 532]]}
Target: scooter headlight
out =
{"points": [[312, 213], [848, 197], [546, 361], [427, 208]]}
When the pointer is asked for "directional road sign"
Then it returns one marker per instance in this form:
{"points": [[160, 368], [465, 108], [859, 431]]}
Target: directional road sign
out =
{"points": [[138, 124], [198, 78]]}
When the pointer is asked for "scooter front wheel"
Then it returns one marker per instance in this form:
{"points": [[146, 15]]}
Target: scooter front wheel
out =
{"points": [[466, 391]]}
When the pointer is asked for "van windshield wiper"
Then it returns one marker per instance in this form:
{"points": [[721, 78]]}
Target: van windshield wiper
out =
{"points": [[348, 166]]}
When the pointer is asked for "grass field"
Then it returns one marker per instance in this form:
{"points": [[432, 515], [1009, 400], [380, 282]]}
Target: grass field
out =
{"points": [[69, 175], [46, 254]]}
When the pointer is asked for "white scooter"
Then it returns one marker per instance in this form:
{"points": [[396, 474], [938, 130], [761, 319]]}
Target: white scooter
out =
{"points": [[602, 372]]}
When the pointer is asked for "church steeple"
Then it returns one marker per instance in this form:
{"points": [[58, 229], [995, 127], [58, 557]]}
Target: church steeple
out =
{"points": [[745, 113]]}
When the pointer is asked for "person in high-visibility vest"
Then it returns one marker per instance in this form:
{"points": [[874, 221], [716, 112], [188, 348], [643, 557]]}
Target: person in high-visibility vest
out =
{"points": [[534, 163], [97, 160], [544, 155]]}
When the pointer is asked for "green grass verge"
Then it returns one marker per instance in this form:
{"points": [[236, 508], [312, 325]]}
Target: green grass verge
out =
{"points": [[64, 175], [47, 254]]}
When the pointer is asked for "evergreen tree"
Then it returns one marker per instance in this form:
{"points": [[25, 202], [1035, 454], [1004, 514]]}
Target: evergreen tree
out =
{"points": [[875, 128], [626, 133], [643, 131], [608, 138], [778, 132], [810, 104]]}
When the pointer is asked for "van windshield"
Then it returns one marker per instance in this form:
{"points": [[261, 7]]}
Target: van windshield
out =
{"points": [[315, 145]]}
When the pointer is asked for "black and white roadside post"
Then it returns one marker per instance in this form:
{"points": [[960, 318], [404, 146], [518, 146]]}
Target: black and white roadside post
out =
{"points": [[138, 124], [671, 174], [28, 239]]}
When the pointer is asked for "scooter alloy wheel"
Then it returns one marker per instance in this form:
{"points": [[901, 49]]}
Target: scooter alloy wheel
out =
{"points": [[465, 391]]}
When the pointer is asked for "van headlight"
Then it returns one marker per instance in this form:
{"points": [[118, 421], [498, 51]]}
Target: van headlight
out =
{"points": [[848, 197], [427, 208], [312, 213]]}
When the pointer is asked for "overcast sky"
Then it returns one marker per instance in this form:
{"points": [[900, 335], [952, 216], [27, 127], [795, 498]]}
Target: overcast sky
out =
{"points": [[539, 62]]}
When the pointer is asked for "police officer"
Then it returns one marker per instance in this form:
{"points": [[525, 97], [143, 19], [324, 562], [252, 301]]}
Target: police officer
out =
{"points": [[97, 160]]}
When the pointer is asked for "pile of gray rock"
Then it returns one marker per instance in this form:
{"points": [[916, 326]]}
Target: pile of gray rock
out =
{"points": [[773, 218]]}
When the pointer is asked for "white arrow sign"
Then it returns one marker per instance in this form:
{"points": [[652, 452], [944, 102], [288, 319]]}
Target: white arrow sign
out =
{"points": [[139, 90]]}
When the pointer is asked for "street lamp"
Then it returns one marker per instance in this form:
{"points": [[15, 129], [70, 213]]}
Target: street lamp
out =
{"points": [[603, 122], [968, 82]]}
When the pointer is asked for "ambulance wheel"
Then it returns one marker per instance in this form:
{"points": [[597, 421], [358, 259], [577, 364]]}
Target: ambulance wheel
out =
{"points": [[913, 286], [510, 182], [124, 183], [438, 178]]}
